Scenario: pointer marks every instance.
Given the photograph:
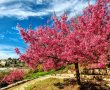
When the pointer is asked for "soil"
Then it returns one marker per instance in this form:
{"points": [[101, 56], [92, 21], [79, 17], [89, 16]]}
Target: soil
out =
{"points": [[71, 84]]}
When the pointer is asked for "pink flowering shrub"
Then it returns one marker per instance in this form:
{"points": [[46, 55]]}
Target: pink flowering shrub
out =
{"points": [[14, 76]]}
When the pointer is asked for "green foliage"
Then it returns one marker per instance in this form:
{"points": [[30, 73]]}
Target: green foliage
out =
{"points": [[13, 62], [32, 75]]}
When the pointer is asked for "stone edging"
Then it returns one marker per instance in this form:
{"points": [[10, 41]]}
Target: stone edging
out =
{"points": [[14, 84]]}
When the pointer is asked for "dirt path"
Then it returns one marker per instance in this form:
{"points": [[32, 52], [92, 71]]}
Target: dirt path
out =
{"points": [[24, 85], [29, 83]]}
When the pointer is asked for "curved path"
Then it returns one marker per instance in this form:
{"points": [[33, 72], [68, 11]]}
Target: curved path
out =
{"points": [[24, 85]]}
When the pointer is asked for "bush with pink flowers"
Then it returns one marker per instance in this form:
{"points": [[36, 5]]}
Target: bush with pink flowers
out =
{"points": [[14, 76]]}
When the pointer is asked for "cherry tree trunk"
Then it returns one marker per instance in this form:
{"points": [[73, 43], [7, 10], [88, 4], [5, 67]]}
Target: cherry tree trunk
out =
{"points": [[77, 73]]}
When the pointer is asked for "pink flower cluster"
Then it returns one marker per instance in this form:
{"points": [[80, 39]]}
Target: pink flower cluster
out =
{"points": [[48, 65], [14, 76], [17, 51]]}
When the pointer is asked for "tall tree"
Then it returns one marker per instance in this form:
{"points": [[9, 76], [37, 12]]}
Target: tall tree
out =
{"points": [[84, 40]]}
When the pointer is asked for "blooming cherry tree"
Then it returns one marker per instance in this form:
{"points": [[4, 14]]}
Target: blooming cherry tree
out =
{"points": [[84, 40]]}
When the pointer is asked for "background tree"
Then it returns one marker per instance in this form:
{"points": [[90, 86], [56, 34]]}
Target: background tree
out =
{"points": [[83, 40]]}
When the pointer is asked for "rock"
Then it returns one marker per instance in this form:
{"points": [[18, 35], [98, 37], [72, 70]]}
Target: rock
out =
{"points": [[96, 71], [103, 71], [108, 72], [89, 77], [108, 85], [90, 71]]}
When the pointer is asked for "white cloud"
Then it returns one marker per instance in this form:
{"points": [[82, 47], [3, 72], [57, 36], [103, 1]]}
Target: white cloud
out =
{"points": [[7, 54], [74, 7], [23, 8], [7, 51], [19, 9], [9, 47], [5, 1], [20, 13], [39, 1]]}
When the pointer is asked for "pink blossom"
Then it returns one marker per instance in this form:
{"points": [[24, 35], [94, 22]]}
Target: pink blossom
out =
{"points": [[14, 76], [17, 51]]}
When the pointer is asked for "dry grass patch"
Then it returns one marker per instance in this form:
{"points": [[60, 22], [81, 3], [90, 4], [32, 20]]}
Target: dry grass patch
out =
{"points": [[47, 84]]}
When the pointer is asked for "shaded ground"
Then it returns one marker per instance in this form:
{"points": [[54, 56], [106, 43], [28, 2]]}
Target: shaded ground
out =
{"points": [[48, 83], [70, 84]]}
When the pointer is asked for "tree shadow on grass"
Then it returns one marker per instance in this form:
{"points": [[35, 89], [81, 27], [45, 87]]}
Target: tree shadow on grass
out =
{"points": [[84, 86]]}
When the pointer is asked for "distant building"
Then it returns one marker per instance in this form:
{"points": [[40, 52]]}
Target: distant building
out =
{"points": [[3, 62]]}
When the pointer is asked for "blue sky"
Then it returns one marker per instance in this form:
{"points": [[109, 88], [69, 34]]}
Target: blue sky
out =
{"points": [[26, 12]]}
